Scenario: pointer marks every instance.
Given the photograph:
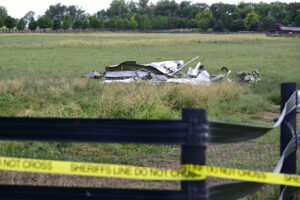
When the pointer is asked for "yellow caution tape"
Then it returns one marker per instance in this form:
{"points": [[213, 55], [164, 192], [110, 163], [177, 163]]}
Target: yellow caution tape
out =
{"points": [[251, 176], [187, 172], [97, 170]]}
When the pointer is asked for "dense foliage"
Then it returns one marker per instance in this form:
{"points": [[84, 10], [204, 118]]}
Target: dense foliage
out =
{"points": [[32, 24], [67, 23], [168, 14], [21, 24], [9, 22], [45, 22]]}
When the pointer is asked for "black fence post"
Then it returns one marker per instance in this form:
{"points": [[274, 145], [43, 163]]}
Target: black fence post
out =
{"points": [[289, 122], [194, 151]]}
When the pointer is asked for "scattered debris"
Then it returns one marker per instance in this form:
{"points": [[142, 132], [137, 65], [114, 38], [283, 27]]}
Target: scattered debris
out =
{"points": [[249, 77], [93, 74], [167, 71]]}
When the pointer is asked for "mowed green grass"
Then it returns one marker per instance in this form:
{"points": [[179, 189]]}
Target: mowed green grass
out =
{"points": [[40, 77]]}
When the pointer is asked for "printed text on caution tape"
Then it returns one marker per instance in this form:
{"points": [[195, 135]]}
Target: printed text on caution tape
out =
{"points": [[187, 172]]}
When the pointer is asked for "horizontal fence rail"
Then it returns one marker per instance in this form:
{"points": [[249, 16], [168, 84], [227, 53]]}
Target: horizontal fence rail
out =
{"points": [[95, 130], [58, 193]]}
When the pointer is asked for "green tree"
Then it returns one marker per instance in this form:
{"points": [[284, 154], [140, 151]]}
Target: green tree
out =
{"points": [[76, 13], [253, 25], [297, 21], [67, 23], [293, 10], [242, 10], [95, 22], [251, 19], [238, 25], [32, 24], [279, 12], [117, 8], [159, 22], [3, 12], [77, 24], [1, 22], [219, 26], [133, 23], [204, 19], [56, 24], [111, 23], [262, 9], [119, 22], [21, 24], [192, 23], [56, 11], [102, 14], [175, 22], [27, 17], [268, 23], [126, 23], [166, 8], [10, 22], [143, 21], [189, 10], [85, 25], [143, 8], [143, 3], [223, 14], [132, 7], [45, 22]]}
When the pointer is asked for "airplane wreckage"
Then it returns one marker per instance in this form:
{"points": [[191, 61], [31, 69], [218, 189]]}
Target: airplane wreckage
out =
{"points": [[168, 72]]}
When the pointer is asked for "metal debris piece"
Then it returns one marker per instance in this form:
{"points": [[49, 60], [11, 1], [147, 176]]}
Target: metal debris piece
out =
{"points": [[93, 74], [157, 72], [249, 77]]}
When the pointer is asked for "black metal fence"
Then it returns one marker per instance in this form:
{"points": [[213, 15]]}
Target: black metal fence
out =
{"points": [[193, 133]]}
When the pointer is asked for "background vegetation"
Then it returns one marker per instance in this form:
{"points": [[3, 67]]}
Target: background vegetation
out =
{"points": [[166, 14], [40, 77]]}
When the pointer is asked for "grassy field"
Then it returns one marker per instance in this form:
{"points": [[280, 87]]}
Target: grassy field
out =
{"points": [[40, 77]]}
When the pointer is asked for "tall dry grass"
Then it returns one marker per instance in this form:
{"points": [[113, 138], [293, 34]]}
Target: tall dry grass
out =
{"points": [[87, 98], [12, 86], [143, 100]]}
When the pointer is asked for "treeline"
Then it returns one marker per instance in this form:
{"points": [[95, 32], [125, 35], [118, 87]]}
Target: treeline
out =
{"points": [[165, 14]]}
